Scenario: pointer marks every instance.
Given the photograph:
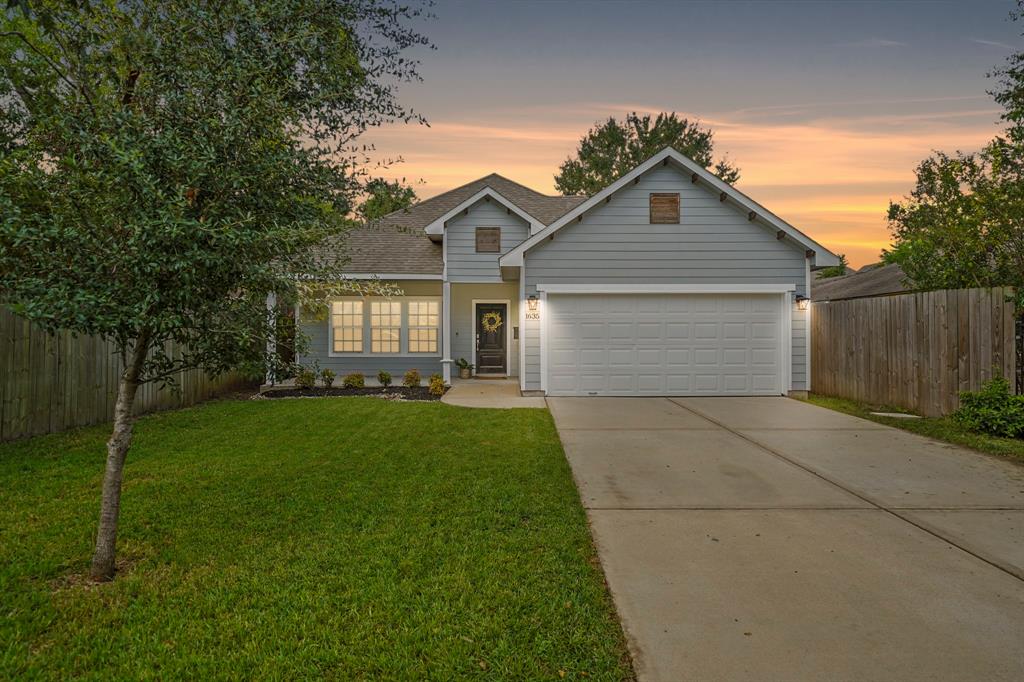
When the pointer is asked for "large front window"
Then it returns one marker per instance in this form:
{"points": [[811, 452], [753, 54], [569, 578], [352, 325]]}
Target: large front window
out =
{"points": [[385, 326], [423, 319], [347, 324]]}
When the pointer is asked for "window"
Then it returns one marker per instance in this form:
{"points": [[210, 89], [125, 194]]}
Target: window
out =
{"points": [[385, 326], [488, 240], [347, 323], [664, 208], [423, 318]]}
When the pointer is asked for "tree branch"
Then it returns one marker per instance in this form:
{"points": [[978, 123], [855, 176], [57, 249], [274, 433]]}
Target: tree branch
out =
{"points": [[52, 64]]}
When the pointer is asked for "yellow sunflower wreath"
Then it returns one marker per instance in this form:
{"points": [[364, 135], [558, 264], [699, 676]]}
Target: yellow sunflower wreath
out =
{"points": [[491, 321]]}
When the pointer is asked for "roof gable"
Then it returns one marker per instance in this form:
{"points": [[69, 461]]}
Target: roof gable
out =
{"points": [[822, 256]]}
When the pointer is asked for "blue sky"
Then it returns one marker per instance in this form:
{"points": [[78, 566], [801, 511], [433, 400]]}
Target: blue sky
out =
{"points": [[825, 106]]}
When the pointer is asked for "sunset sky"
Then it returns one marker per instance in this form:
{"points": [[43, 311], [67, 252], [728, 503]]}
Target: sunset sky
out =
{"points": [[825, 106]]}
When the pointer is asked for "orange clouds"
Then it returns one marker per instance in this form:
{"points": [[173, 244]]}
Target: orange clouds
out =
{"points": [[830, 175]]}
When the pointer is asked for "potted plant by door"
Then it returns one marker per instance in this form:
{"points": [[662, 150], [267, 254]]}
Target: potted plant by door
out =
{"points": [[465, 369]]}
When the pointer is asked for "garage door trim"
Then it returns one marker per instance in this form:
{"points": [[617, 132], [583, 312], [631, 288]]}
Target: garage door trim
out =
{"points": [[785, 292]]}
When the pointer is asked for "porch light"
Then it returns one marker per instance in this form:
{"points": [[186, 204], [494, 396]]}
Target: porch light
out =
{"points": [[531, 303], [802, 302]]}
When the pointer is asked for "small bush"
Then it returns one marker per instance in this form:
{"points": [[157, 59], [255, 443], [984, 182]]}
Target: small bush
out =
{"points": [[993, 410], [353, 381], [305, 378], [327, 377], [436, 384], [384, 378], [412, 378]]}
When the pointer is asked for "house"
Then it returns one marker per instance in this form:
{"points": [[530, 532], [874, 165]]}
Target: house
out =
{"points": [[667, 282], [870, 280]]}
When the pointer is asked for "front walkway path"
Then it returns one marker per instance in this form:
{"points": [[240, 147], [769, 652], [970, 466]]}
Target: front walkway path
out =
{"points": [[496, 393], [769, 539]]}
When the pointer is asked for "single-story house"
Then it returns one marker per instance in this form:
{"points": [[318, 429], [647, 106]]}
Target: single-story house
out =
{"points": [[666, 282]]}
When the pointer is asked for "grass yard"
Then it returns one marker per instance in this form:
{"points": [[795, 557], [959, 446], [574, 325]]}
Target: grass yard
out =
{"points": [[346, 538], [939, 428]]}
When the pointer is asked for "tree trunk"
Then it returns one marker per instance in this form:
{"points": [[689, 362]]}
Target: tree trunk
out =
{"points": [[117, 451]]}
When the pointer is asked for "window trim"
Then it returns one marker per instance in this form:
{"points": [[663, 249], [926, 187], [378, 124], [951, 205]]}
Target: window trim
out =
{"points": [[331, 326], [368, 325], [407, 317], [476, 238], [403, 339]]}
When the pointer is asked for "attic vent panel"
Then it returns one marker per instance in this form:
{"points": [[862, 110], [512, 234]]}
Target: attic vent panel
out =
{"points": [[664, 208], [488, 240]]}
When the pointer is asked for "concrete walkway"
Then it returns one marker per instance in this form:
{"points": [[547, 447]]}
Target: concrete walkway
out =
{"points": [[494, 393], [769, 539]]}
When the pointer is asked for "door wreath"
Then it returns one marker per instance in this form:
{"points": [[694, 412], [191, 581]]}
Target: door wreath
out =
{"points": [[491, 321]]}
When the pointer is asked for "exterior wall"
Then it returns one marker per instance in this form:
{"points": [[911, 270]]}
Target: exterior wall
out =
{"points": [[464, 323], [369, 364], [713, 244], [464, 263]]}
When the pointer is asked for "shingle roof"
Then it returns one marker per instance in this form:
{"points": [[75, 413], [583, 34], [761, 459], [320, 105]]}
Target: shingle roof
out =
{"points": [[544, 208], [396, 243], [878, 281]]}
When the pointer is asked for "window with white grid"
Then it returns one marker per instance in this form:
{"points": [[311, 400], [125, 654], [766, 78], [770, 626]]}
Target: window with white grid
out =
{"points": [[423, 325], [385, 326], [347, 326]]}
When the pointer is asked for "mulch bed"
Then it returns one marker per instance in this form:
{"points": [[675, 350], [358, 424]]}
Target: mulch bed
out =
{"points": [[393, 392]]}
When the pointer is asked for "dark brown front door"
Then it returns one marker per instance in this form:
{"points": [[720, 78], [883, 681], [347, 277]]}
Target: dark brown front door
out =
{"points": [[491, 333]]}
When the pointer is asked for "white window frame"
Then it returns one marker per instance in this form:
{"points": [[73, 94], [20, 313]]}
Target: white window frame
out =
{"points": [[404, 338], [331, 327], [409, 327]]}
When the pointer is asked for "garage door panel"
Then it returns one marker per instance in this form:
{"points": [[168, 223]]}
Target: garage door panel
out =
{"points": [[692, 344]]}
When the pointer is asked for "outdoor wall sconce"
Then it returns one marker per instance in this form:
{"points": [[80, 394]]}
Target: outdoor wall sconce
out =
{"points": [[531, 303], [802, 302]]}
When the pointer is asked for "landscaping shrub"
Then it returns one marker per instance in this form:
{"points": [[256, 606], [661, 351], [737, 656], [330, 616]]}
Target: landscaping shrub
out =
{"points": [[411, 378], [384, 378], [993, 410], [436, 384], [306, 378], [354, 380], [327, 377]]}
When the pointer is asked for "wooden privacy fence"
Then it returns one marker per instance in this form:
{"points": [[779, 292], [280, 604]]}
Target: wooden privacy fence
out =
{"points": [[916, 351], [50, 383]]}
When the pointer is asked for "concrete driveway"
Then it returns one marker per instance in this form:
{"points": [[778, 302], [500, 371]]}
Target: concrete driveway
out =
{"points": [[769, 539]]}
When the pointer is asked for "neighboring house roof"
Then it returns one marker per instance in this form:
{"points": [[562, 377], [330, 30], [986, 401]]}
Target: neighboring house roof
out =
{"points": [[883, 280], [822, 256]]}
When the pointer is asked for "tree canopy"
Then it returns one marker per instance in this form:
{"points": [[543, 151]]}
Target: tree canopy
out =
{"points": [[167, 166], [610, 150], [383, 197], [963, 223]]}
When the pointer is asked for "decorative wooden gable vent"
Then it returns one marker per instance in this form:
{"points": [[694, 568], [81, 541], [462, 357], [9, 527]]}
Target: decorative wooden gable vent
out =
{"points": [[488, 240], [664, 208]]}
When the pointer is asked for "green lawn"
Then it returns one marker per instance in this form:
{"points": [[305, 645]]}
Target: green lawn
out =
{"points": [[939, 428], [347, 538]]}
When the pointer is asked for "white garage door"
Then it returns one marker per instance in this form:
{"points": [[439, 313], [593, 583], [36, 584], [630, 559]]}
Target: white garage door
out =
{"points": [[664, 344]]}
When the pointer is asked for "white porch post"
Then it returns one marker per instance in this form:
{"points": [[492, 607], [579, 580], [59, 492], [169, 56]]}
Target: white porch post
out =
{"points": [[446, 331], [272, 338]]}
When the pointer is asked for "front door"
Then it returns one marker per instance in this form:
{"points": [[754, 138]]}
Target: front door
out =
{"points": [[491, 333]]}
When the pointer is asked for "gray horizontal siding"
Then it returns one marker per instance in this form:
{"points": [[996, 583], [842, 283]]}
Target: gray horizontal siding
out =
{"points": [[713, 244], [464, 263], [365, 364]]}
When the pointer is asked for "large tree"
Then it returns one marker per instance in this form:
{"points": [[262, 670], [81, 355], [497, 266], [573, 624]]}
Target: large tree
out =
{"points": [[383, 197], [166, 167], [610, 150], [963, 223]]}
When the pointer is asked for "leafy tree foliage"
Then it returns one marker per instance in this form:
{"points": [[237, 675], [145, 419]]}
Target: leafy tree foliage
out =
{"points": [[835, 270], [963, 223], [165, 166], [613, 148], [383, 197]]}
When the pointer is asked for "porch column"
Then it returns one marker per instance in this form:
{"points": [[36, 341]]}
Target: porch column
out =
{"points": [[272, 337], [446, 331]]}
